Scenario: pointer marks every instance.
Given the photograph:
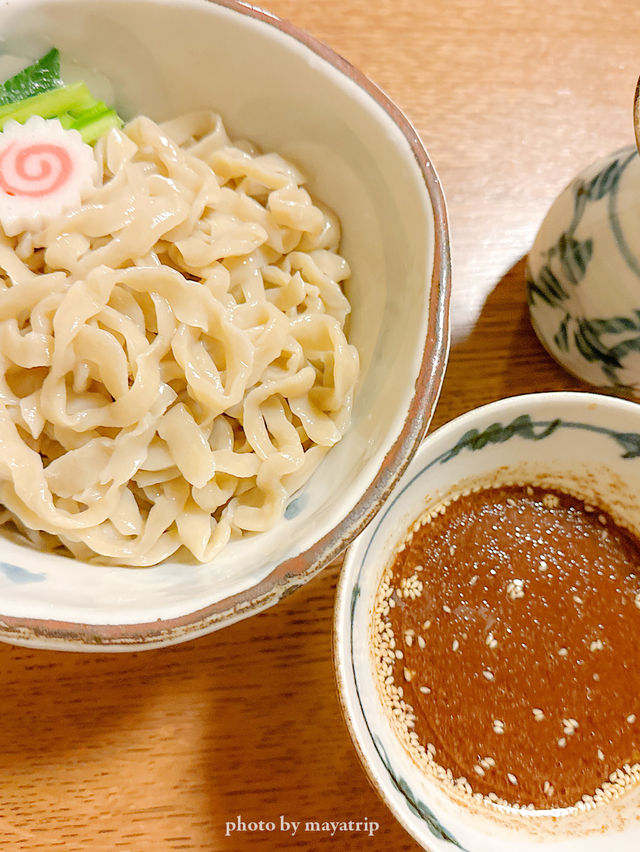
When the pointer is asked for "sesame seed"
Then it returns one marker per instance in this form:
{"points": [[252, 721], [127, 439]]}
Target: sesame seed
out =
{"points": [[446, 608], [422, 643], [408, 674], [562, 742], [455, 645], [408, 638], [399, 654], [600, 754], [452, 550], [515, 589], [488, 674], [512, 778], [476, 577], [596, 645], [426, 624], [431, 748], [491, 641], [602, 520], [562, 652], [478, 770], [578, 599], [543, 565], [631, 718], [425, 690], [538, 714], [636, 599]]}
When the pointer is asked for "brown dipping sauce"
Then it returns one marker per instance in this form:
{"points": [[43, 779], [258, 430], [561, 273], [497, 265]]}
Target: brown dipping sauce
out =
{"points": [[515, 619]]}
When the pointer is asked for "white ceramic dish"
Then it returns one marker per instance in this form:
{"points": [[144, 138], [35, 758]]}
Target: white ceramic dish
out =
{"points": [[583, 274], [279, 87], [588, 441]]}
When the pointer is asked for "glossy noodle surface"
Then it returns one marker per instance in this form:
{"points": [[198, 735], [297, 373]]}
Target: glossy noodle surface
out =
{"points": [[173, 356]]}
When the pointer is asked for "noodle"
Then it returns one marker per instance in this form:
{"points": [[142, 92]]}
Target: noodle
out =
{"points": [[173, 358]]}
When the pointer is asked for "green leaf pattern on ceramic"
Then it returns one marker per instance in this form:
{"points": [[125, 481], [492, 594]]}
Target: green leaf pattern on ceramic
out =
{"points": [[498, 434], [524, 427], [567, 260], [604, 341], [604, 182], [595, 339], [414, 804]]}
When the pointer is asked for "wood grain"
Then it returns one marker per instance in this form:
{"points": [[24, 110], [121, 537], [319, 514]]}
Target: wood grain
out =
{"points": [[157, 751]]}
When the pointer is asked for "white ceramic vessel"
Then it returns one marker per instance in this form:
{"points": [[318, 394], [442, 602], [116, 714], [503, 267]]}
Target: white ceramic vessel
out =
{"points": [[277, 86], [586, 442], [583, 274]]}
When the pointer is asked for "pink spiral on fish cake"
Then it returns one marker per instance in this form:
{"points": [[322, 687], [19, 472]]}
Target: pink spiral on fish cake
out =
{"points": [[34, 170]]}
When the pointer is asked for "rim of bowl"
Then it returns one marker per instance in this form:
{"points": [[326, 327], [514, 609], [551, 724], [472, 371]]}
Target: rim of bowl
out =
{"points": [[345, 583], [296, 571]]}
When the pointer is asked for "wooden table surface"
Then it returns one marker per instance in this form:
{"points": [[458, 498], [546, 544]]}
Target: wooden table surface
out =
{"points": [[158, 750]]}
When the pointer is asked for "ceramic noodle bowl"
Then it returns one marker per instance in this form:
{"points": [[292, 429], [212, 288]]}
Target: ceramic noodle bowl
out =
{"points": [[583, 275], [276, 86]]}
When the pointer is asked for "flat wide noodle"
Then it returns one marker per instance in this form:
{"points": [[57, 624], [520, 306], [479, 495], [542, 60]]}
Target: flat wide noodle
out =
{"points": [[173, 358]]}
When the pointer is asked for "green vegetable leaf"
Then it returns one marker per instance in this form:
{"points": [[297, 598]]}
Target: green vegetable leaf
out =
{"points": [[42, 76]]}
